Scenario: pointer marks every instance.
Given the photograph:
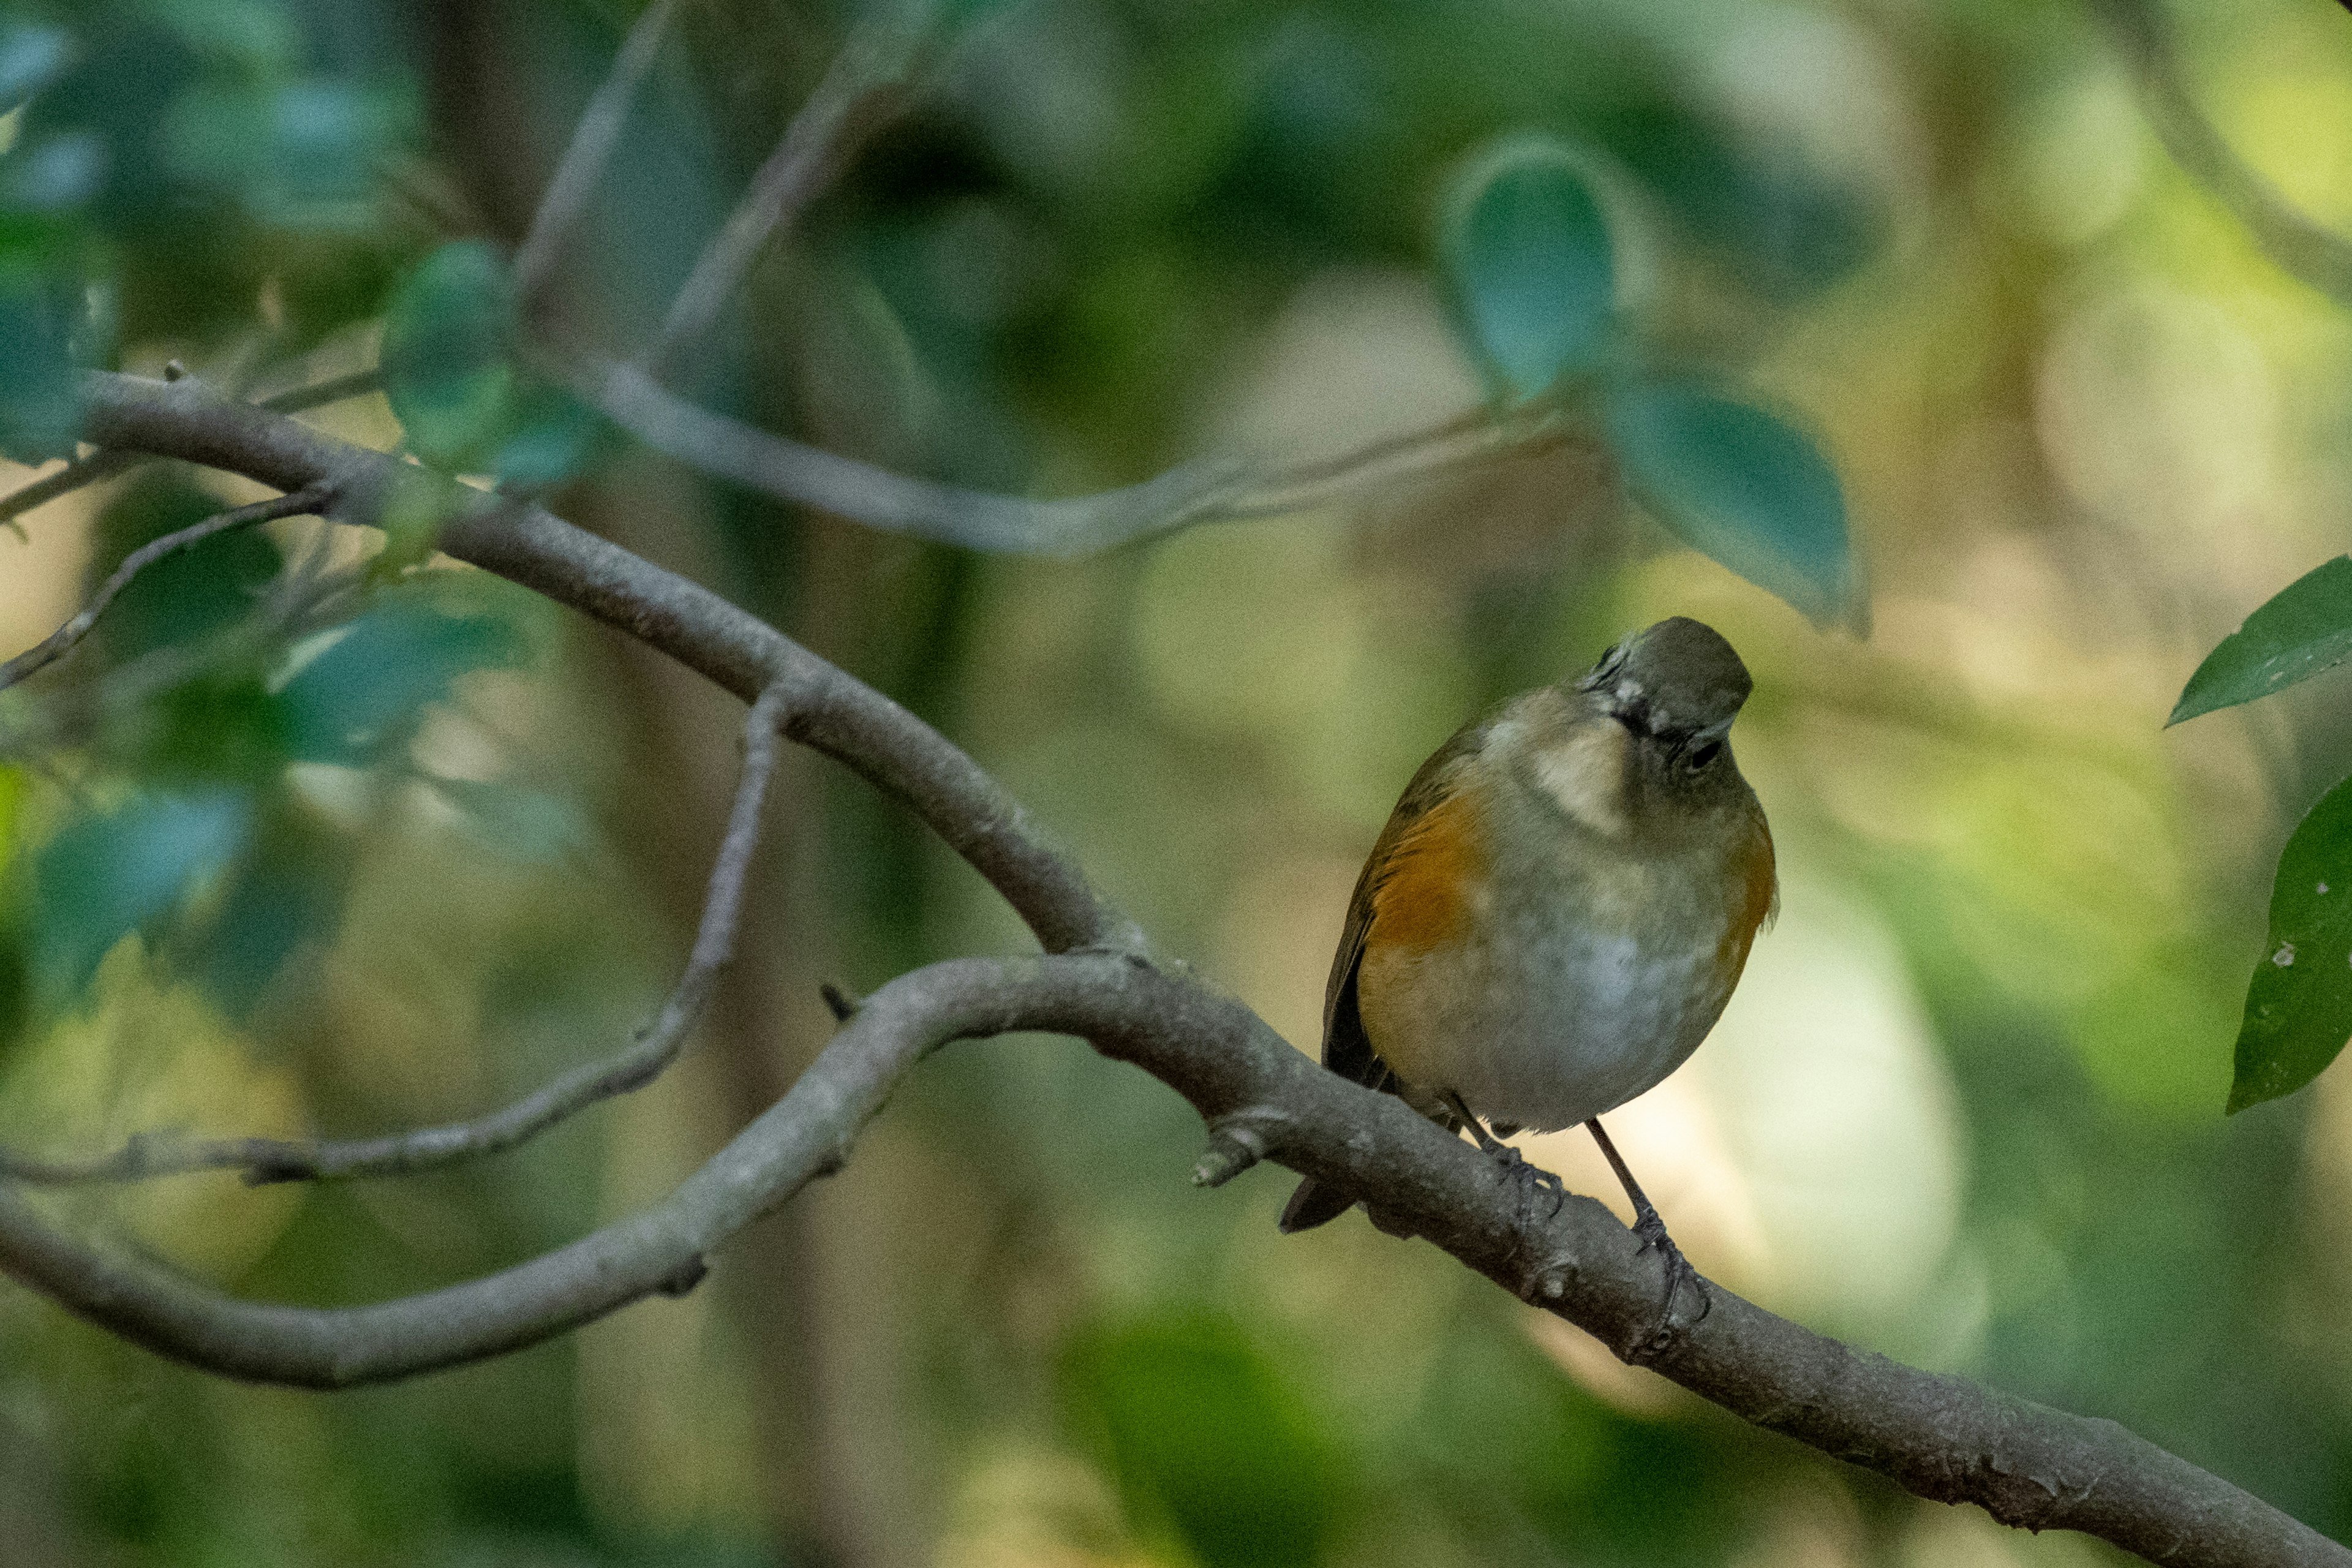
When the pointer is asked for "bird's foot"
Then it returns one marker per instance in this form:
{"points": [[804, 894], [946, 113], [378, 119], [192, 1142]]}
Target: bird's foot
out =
{"points": [[1528, 1181], [1653, 1232]]}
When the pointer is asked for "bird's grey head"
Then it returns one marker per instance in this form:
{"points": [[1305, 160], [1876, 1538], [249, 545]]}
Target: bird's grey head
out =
{"points": [[1676, 681]]}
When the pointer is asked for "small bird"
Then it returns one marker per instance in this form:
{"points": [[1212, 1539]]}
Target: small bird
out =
{"points": [[1558, 909]]}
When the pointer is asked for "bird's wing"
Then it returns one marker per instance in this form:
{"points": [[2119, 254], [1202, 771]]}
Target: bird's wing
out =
{"points": [[1347, 1049]]}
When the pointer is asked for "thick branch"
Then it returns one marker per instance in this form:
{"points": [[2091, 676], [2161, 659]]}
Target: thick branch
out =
{"points": [[269, 1160], [1943, 1438], [825, 710], [802, 1136], [104, 464], [2306, 250]]}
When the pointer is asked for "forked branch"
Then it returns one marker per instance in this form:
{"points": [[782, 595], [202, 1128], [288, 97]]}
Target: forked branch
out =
{"points": [[62, 641], [1943, 1438], [267, 1160]]}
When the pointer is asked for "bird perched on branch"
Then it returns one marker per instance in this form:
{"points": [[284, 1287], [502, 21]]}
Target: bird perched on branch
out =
{"points": [[1558, 909]]}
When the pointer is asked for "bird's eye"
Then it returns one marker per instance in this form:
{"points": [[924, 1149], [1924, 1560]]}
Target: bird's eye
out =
{"points": [[1703, 754]]}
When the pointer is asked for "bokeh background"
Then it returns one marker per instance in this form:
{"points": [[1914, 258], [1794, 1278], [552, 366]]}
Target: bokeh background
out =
{"points": [[1965, 1110]]}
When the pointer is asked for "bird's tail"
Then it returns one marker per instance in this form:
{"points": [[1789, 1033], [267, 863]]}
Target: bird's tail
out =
{"points": [[1312, 1204]]}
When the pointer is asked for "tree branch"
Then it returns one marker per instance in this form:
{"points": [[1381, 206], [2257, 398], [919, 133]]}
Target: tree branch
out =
{"points": [[1210, 490], [861, 92], [59, 643], [661, 1250], [1943, 1438], [104, 464], [598, 132], [2305, 250], [825, 708], [269, 1160]]}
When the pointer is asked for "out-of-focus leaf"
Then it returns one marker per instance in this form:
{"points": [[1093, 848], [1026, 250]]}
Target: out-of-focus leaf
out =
{"points": [[222, 724], [445, 366], [361, 693], [1528, 253], [1746, 488], [284, 895], [299, 154], [12, 794], [31, 56], [56, 174], [555, 438], [101, 878], [2304, 628], [1207, 1441], [527, 824], [41, 407], [2299, 1007], [189, 595]]}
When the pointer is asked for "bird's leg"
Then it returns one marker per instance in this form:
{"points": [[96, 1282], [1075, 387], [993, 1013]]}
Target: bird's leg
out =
{"points": [[1653, 1232], [1529, 1178]]}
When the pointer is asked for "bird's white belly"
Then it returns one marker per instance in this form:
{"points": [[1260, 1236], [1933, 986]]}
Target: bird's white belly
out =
{"points": [[1547, 1028]]}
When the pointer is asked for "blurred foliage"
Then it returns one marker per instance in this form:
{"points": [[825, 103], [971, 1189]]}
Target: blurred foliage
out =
{"points": [[311, 839]]}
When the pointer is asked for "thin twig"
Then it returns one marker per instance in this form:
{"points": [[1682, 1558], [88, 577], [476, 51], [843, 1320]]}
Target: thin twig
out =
{"points": [[294, 400], [2306, 250], [1209, 491], [590, 149], [265, 1161], [59, 643], [861, 91]]}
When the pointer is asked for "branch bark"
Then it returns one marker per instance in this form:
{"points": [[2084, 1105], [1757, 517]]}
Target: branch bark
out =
{"points": [[1941, 1437], [265, 1161]]}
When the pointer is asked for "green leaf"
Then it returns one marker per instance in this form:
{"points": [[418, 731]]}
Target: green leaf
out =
{"points": [[299, 154], [31, 56], [40, 406], [101, 878], [1746, 488], [360, 696], [190, 594], [555, 438], [444, 356], [1207, 1441], [285, 895], [2299, 1007], [1528, 254], [2304, 628]]}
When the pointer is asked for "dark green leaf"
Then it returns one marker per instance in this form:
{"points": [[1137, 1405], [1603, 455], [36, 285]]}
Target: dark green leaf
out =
{"points": [[2299, 1007], [284, 895], [53, 175], [101, 878], [445, 356], [361, 694], [1528, 253], [221, 724], [1207, 1441], [302, 154], [1746, 488], [31, 56], [555, 438], [40, 406], [2304, 628], [187, 595]]}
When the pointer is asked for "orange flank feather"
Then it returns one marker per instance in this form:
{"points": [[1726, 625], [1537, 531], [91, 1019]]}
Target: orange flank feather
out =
{"points": [[1763, 888], [1420, 898]]}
